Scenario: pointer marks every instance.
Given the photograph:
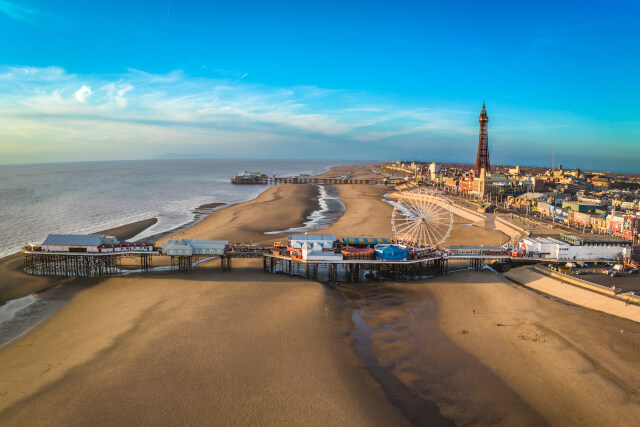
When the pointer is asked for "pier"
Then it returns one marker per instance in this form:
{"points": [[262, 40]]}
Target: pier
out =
{"points": [[355, 270], [263, 180], [311, 256], [70, 264], [73, 264]]}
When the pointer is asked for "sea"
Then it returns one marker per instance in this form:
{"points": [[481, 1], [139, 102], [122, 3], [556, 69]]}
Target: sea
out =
{"points": [[86, 197]]}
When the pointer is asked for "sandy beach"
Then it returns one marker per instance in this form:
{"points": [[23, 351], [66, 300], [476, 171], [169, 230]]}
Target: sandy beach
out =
{"points": [[244, 347], [277, 208], [469, 340], [203, 349]]}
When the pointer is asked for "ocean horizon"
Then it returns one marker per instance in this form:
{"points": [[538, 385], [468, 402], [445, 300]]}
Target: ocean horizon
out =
{"points": [[87, 197]]}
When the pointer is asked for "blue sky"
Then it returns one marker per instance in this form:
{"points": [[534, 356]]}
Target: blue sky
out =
{"points": [[359, 80]]}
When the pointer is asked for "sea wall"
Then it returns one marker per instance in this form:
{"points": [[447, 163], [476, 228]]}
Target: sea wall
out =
{"points": [[604, 290], [467, 213], [513, 231]]}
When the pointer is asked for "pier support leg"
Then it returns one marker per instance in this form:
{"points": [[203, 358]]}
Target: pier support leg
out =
{"points": [[225, 263]]}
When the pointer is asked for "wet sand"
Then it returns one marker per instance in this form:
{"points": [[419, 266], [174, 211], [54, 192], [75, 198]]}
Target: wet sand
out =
{"points": [[487, 351], [205, 348], [278, 208], [128, 231]]}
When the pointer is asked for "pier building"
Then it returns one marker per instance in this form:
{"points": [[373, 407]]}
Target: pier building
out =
{"points": [[189, 247], [86, 243]]}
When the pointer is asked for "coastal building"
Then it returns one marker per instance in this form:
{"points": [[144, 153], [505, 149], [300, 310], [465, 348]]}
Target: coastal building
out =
{"points": [[615, 224], [190, 247], [434, 170], [583, 247], [486, 183], [315, 247], [320, 241], [580, 207], [315, 252], [86, 243]]}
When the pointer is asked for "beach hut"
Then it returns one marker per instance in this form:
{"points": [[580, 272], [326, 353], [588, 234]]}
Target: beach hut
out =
{"points": [[391, 252]]}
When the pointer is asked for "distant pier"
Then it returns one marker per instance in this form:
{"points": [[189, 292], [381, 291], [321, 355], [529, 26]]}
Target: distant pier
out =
{"points": [[263, 180]]}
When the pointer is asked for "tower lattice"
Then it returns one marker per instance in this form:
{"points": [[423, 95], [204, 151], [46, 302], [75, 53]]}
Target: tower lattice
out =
{"points": [[482, 159]]}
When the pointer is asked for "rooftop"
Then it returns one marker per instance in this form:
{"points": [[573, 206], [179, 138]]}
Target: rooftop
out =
{"points": [[331, 237], [546, 240], [592, 238], [79, 240]]}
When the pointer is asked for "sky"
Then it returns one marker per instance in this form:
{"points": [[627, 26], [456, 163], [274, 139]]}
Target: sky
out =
{"points": [[334, 79]]}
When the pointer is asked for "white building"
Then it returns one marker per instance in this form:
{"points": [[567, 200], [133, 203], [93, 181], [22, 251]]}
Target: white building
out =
{"points": [[189, 247], [316, 253], [317, 241], [434, 169], [315, 247], [581, 247]]}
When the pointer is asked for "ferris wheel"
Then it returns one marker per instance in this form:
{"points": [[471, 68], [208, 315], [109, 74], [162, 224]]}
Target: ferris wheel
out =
{"points": [[422, 218]]}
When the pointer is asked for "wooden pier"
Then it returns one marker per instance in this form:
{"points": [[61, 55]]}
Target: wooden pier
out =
{"points": [[307, 180], [355, 270], [75, 264]]}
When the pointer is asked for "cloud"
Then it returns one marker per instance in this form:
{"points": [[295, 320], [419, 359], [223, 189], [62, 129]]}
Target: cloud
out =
{"points": [[29, 74], [117, 91], [137, 114], [83, 93], [241, 77], [19, 13]]}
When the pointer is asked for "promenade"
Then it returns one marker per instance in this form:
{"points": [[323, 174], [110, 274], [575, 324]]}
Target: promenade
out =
{"points": [[582, 297]]}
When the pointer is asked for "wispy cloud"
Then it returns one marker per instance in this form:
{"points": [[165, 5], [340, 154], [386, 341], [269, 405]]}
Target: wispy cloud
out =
{"points": [[241, 77], [17, 12], [50, 114], [207, 103]]}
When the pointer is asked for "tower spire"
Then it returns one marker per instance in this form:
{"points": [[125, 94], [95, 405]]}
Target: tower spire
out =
{"points": [[482, 158]]}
